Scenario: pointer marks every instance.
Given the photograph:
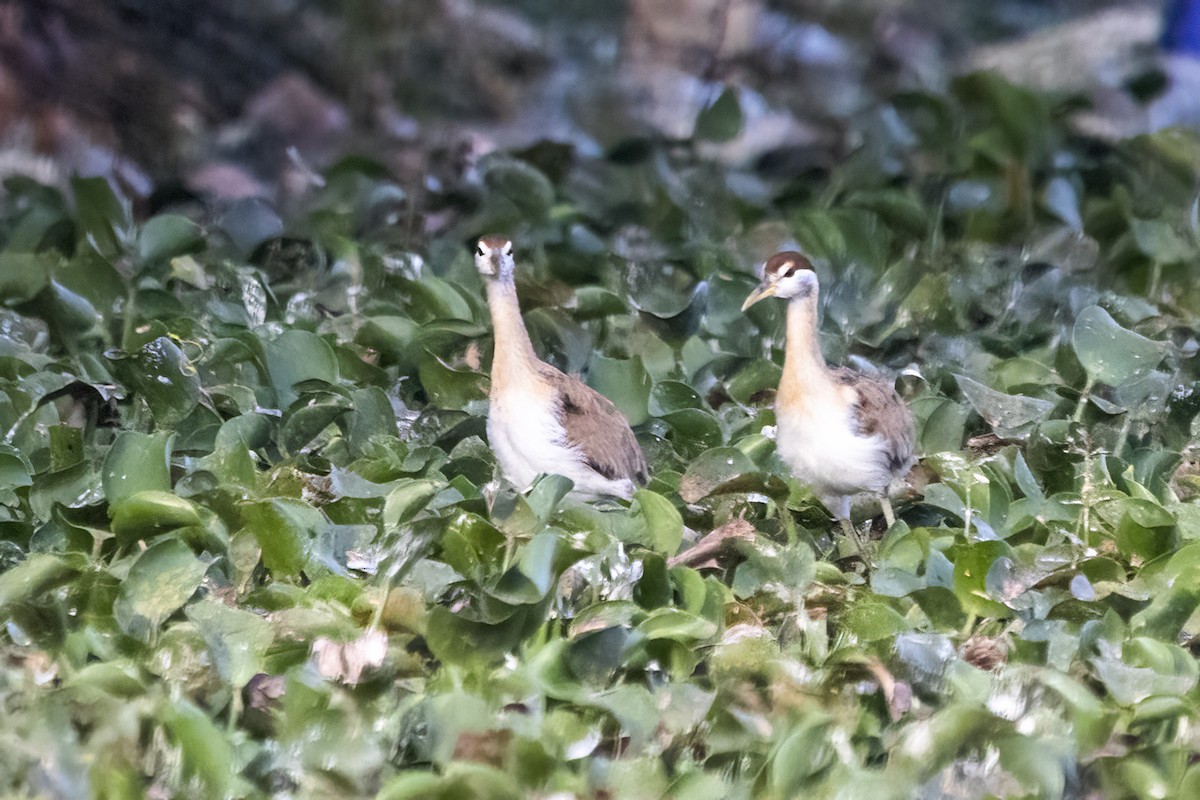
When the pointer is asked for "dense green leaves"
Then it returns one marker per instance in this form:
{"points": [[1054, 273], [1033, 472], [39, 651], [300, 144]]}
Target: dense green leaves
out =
{"points": [[253, 540], [158, 584]]}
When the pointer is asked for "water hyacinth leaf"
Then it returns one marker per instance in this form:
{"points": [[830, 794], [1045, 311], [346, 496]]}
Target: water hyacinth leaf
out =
{"points": [[455, 640], [162, 374], [32, 578], [713, 469], [669, 396], [371, 415], [104, 217], [671, 623], [693, 431], [237, 640], [1157, 239], [207, 754], [721, 120], [516, 191], [805, 752], [152, 511], [248, 222], [663, 524], [15, 471], [449, 386], [624, 382], [1011, 416], [303, 424], [871, 621], [540, 561], [1170, 610], [1037, 767], [66, 447], [285, 529], [662, 290], [758, 376], [394, 337], [137, 462], [972, 565], [22, 276], [411, 785], [547, 492], [69, 313], [295, 356], [1112, 354], [166, 236], [74, 486], [407, 499], [941, 423], [160, 581]]}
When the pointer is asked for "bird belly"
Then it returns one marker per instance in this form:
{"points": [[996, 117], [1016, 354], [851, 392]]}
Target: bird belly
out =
{"points": [[823, 450], [528, 439]]}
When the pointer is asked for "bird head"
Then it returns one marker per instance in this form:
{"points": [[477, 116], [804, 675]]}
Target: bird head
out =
{"points": [[785, 275], [494, 257]]}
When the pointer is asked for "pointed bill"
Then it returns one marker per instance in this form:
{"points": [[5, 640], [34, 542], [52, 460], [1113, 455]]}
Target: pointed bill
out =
{"points": [[765, 290]]}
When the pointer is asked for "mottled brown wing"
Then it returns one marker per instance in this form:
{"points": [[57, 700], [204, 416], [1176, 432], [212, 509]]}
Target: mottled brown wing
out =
{"points": [[597, 429], [879, 411]]}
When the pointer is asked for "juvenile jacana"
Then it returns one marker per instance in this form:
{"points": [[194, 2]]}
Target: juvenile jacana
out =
{"points": [[541, 420], [841, 432]]}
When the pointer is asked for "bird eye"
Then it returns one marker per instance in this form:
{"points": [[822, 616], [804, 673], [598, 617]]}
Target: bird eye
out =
{"points": [[508, 248], [479, 251], [789, 272]]}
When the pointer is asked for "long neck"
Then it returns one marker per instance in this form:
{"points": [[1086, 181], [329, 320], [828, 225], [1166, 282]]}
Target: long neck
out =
{"points": [[513, 355], [804, 369]]}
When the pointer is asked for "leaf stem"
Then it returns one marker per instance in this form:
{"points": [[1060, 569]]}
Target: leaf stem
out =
{"points": [[1083, 398], [127, 327]]}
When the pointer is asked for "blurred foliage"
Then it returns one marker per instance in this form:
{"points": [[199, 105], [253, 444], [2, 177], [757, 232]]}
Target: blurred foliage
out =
{"points": [[251, 543]]}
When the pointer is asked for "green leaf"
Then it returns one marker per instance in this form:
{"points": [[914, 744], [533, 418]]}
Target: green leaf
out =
{"points": [[871, 621], [516, 190], [285, 529], [662, 521], [295, 356], [625, 382], [137, 462], [160, 581], [671, 623], [207, 754], [166, 236], [237, 640], [1010, 415], [22, 277], [712, 470], [104, 216], [971, 565], [669, 396], [249, 222], [450, 387], [151, 511], [721, 120], [32, 578], [802, 754], [161, 374], [408, 498], [411, 785], [1111, 354], [66, 447]]}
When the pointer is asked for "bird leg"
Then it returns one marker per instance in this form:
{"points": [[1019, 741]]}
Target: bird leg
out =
{"points": [[888, 514]]}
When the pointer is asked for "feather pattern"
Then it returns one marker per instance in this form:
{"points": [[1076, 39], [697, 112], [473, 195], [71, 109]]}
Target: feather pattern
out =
{"points": [[841, 432], [597, 429], [541, 420]]}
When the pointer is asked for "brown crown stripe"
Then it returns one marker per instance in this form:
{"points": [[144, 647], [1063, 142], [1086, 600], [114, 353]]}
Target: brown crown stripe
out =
{"points": [[781, 262]]}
